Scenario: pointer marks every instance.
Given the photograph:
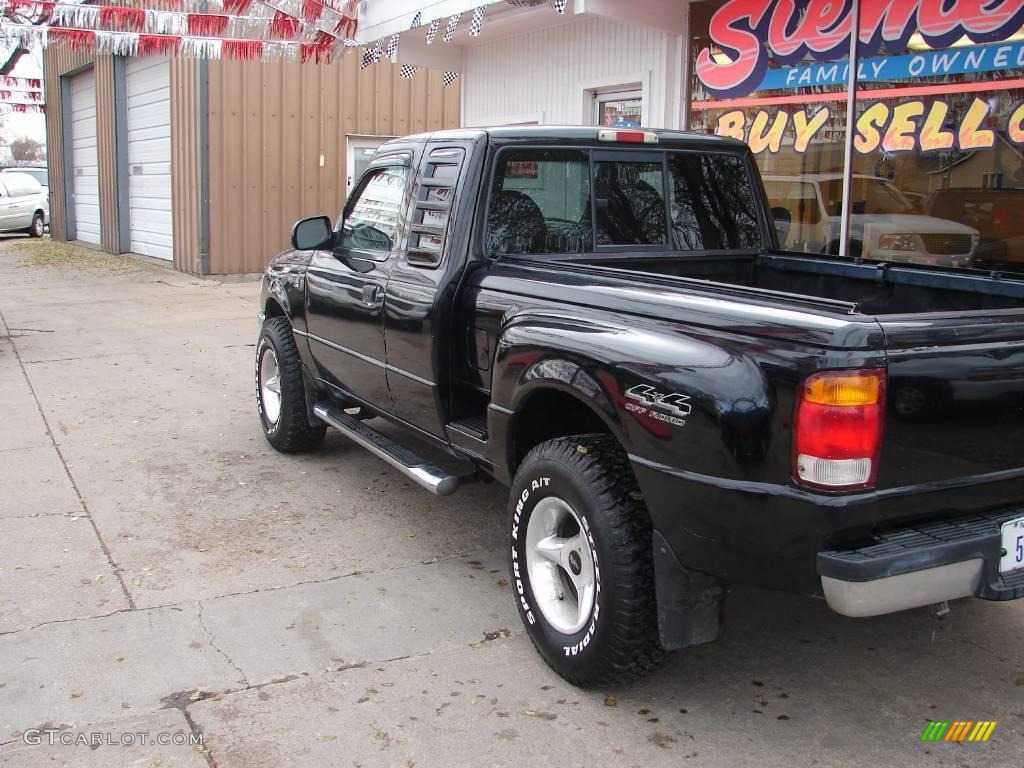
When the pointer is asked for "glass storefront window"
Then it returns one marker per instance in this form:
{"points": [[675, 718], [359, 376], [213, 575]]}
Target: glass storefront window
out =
{"points": [[938, 131], [622, 110]]}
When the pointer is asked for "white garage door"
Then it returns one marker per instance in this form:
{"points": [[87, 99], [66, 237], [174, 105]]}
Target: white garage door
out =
{"points": [[86, 180], [149, 157]]}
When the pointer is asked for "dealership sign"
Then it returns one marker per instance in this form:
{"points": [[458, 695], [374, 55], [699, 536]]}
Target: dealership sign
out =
{"points": [[749, 32], [911, 126], [954, 61]]}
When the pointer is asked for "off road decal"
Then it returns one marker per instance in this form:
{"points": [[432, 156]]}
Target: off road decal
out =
{"points": [[646, 398]]}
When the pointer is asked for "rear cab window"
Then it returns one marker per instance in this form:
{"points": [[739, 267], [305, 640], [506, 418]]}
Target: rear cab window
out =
{"points": [[575, 201]]}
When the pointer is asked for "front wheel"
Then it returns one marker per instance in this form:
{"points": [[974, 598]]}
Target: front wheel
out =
{"points": [[36, 229], [581, 561], [280, 391]]}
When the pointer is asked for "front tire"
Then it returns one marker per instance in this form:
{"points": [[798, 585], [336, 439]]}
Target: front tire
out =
{"points": [[37, 227], [581, 561], [280, 391]]}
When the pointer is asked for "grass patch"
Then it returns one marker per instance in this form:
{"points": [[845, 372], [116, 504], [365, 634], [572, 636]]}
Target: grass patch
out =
{"points": [[44, 252]]}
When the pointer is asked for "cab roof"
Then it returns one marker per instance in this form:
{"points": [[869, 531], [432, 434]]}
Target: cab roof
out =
{"points": [[576, 133]]}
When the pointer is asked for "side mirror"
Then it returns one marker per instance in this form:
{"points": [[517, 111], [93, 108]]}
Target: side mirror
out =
{"points": [[312, 234], [783, 218]]}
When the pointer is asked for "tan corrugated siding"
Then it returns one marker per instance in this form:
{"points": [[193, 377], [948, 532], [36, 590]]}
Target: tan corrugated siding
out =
{"points": [[185, 152], [269, 124], [58, 61], [106, 145]]}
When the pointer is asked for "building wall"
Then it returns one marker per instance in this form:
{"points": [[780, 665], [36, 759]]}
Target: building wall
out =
{"points": [[278, 143], [186, 162], [277, 146], [61, 61], [543, 75]]}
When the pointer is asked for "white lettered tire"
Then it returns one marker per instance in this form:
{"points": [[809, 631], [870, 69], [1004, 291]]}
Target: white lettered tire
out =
{"points": [[581, 562]]}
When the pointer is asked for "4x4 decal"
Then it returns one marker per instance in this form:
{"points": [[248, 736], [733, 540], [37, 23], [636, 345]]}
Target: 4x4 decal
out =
{"points": [[646, 398]]}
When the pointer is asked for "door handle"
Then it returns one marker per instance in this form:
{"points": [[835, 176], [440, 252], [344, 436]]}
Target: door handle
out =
{"points": [[370, 293]]}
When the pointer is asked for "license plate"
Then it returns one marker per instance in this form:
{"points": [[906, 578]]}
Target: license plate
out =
{"points": [[1013, 546]]}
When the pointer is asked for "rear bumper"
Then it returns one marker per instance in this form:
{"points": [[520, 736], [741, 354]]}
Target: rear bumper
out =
{"points": [[921, 565]]}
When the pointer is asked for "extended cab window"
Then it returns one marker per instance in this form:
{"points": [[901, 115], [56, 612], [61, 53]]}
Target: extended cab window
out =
{"points": [[372, 218]]}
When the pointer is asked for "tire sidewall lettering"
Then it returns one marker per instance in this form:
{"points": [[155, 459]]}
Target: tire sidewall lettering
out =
{"points": [[537, 488], [270, 429]]}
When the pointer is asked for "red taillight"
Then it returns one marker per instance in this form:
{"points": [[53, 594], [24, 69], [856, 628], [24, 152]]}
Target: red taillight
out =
{"points": [[837, 432]]}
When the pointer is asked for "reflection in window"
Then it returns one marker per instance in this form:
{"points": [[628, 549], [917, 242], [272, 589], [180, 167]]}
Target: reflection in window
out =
{"points": [[712, 203], [540, 203], [868, 195], [630, 203], [373, 218]]}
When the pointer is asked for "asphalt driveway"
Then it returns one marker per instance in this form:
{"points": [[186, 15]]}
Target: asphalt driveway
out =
{"points": [[166, 576]]}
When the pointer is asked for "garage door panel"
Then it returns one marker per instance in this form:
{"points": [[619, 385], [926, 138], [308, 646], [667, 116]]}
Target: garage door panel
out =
{"points": [[84, 163], [149, 157]]}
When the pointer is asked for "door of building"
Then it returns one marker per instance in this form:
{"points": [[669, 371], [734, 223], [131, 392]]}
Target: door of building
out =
{"points": [[85, 187], [148, 83]]}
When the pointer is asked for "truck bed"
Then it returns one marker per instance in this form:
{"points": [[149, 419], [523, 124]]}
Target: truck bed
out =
{"points": [[872, 288]]}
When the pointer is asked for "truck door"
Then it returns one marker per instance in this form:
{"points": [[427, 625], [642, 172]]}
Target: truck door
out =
{"points": [[421, 289], [345, 286]]}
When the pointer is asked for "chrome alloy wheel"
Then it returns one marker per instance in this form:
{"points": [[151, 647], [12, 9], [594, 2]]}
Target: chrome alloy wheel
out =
{"points": [[560, 565], [270, 385]]}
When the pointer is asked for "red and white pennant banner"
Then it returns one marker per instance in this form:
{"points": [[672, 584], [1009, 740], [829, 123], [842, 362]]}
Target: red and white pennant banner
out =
{"points": [[22, 83], [298, 20], [6, 108], [27, 96]]}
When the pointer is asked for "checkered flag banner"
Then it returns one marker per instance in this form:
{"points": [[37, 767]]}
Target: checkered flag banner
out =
{"points": [[560, 5], [408, 71], [432, 30], [417, 20], [449, 31], [367, 58], [449, 78], [477, 23], [392, 48], [377, 50]]}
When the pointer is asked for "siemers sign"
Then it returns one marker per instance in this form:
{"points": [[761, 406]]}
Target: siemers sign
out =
{"points": [[790, 31]]}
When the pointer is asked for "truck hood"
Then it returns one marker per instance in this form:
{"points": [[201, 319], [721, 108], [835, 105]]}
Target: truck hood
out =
{"points": [[910, 224]]}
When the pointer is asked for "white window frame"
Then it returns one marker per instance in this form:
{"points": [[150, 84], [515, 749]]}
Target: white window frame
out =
{"points": [[628, 86], [353, 142]]}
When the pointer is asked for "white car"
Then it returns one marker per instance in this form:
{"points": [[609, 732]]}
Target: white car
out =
{"points": [[24, 204], [884, 223]]}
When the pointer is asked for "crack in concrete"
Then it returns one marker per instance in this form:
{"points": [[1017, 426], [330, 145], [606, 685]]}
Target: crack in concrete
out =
{"points": [[198, 733], [211, 638], [275, 588], [67, 471]]}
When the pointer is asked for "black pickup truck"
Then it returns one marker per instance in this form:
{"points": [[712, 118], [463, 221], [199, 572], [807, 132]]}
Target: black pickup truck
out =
{"points": [[603, 320]]}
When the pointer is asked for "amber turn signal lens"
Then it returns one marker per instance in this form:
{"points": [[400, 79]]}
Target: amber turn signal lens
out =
{"points": [[843, 389]]}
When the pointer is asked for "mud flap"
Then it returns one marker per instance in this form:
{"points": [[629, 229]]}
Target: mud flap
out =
{"points": [[689, 602]]}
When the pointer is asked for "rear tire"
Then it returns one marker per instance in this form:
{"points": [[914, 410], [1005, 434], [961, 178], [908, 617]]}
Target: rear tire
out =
{"points": [[281, 392], [575, 513], [37, 228]]}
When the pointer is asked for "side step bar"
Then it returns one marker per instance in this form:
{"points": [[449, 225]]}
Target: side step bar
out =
{"points": [[413, 466]]}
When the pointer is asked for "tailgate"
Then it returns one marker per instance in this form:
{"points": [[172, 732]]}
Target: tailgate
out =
{"points": [[956, 403]]}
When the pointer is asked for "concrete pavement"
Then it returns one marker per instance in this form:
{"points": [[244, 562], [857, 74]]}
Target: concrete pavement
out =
{"points": [[163, 571]]}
